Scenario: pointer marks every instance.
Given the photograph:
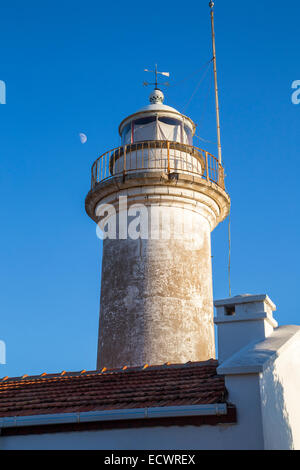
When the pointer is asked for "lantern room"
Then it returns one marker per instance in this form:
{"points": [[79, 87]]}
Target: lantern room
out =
{"points": [[157, 122]]}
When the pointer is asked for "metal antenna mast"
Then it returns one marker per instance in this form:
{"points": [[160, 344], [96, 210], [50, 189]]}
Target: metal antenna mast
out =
{"points": [[211, 4], [155, 76]]}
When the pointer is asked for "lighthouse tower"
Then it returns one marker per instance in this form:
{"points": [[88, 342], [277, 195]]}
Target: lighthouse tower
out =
{"points": [[157, 198]]}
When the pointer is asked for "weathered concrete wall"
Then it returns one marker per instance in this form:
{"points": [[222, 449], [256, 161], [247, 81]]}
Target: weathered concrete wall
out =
{"points": [[156, 292], [156, 296]]}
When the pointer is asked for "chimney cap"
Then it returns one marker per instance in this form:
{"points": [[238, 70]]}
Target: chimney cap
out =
{"points": [[245, 299]]}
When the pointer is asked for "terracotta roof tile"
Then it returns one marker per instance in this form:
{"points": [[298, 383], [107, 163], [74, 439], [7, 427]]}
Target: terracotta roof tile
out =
{"points": [[167, 385]]}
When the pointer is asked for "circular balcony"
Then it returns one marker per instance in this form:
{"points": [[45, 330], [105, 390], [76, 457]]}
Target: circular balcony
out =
{"points": [[157, 155]]}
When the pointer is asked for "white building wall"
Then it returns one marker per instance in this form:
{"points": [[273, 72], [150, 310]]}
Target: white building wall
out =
{"points": [[160, 438], [280, 392], [247, 434]]}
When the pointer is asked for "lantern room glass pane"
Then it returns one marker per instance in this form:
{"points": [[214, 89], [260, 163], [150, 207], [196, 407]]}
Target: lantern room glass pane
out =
{"points": [[189, 135], [153, 128]]}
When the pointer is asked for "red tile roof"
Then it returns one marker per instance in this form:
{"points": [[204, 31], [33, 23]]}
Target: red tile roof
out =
{"points": [[168, 385]]}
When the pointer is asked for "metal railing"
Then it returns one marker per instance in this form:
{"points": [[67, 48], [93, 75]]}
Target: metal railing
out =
{"points": [[171, 157]]}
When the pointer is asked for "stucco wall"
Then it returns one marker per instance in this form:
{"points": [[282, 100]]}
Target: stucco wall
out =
{"points": [[168, 438], [275, 364], [280, 393]]}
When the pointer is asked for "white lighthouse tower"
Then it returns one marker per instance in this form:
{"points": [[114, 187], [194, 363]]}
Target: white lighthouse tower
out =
{"points": [[166, 196]]}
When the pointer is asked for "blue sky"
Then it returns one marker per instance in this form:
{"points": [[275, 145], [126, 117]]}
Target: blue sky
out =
{"points": [[73, 67]]}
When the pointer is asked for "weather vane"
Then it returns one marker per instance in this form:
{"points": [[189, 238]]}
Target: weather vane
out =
{"points": [[156, 72]]}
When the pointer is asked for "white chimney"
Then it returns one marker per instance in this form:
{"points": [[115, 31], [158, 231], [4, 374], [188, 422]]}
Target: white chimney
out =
{"points": [[241, 320]]}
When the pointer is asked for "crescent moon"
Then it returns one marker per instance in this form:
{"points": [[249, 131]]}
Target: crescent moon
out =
{"points": [[82, 137]]}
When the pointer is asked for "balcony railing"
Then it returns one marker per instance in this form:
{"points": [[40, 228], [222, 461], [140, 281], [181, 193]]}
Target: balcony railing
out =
{"points": [[170, 157]]}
